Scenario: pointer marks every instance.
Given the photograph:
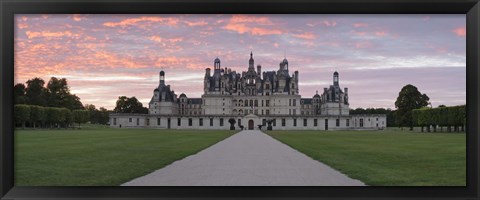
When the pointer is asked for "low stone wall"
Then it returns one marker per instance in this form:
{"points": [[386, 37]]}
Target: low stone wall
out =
{"points": [[351, 122]]}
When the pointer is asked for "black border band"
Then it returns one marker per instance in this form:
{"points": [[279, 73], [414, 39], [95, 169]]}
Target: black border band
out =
{"points": [[469, 7]]}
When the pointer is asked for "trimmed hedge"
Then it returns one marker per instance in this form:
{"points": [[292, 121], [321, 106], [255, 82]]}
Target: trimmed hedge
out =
{"points": [[442, 117]]}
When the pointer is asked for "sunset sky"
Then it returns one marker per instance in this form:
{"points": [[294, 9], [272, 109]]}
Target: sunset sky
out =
{"points": [[106, 56]]}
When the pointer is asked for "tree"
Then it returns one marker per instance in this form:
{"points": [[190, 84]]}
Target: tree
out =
{"points": [[80, 116], [58, 92], [19, 94], [74, 103], [35, 92], [409, 98], [104, 116], [22, 114], [129, 105], [67, 117], [37, 114]]}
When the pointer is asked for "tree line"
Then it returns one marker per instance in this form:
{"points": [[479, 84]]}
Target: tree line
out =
{"points": [[454, 116], [48, 117], [50, 105]]}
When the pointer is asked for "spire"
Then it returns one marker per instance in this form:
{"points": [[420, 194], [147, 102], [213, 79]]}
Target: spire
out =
{"points": [[251, 62]]}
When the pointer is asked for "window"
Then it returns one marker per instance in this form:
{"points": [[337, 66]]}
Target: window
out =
{"points": [[158, 121], [326, 124], [148, 122], [315, 122], [190, 121], [239, 122], [377, 118], [114, 121], [221, 121], [129, 119], [138, 121], [283, 122], [211, 121], [294, 111], [348, 122], [246, 103], [361, 122], [264, 122], [289, 102], [267, 103], [337, 122], [251, 102], [179, 121], [256, 103], [304, 122], [267, 112], [294, 102], [274, 122], [294, 122], [267, 86], [268, 93], [200, 122]]}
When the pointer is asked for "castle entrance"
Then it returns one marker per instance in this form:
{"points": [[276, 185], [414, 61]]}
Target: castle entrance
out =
{"points": [[250, 124]]}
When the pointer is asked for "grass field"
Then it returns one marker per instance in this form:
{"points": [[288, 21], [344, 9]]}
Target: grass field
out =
{"points": [[386, 158], [100, 156]]}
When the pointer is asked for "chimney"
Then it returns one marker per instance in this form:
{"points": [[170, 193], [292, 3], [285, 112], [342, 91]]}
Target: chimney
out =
{"points": [[207, 72]]}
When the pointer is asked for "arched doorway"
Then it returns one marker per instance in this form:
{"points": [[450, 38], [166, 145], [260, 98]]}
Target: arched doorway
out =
{"points": [[250, 124]]}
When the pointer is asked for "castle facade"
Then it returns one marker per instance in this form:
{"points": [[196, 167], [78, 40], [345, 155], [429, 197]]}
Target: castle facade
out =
{"points": [[253, 99]]}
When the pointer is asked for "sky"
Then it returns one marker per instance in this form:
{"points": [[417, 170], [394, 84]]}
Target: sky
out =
{"points": [[107, 56]]}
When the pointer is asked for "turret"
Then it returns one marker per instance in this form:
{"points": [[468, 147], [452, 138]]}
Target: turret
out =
{"points": [[335, 79], [162, 77], [207, 72], [216, 64], [251, 62], [259, 70]]}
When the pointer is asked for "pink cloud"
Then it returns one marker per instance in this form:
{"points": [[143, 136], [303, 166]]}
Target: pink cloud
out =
{"points": [[329, 23], [380, 33], [199, 23], [133, 21], [250, 19], [253, 25], [22, 25], [264, 31], [240, 28], [48, 34], [363, 45], [77, 17], [461, 31], [357, 25], [307, 36]]}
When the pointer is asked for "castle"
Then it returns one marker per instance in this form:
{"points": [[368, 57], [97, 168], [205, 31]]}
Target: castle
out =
{"points": [[251, 98]]}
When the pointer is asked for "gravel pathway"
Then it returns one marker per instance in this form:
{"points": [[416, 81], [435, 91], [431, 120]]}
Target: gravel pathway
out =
{"points": [[248, 158]]}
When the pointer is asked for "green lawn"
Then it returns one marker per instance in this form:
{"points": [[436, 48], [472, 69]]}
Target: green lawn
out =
{"points": [[100, 156], [386, 158]]}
